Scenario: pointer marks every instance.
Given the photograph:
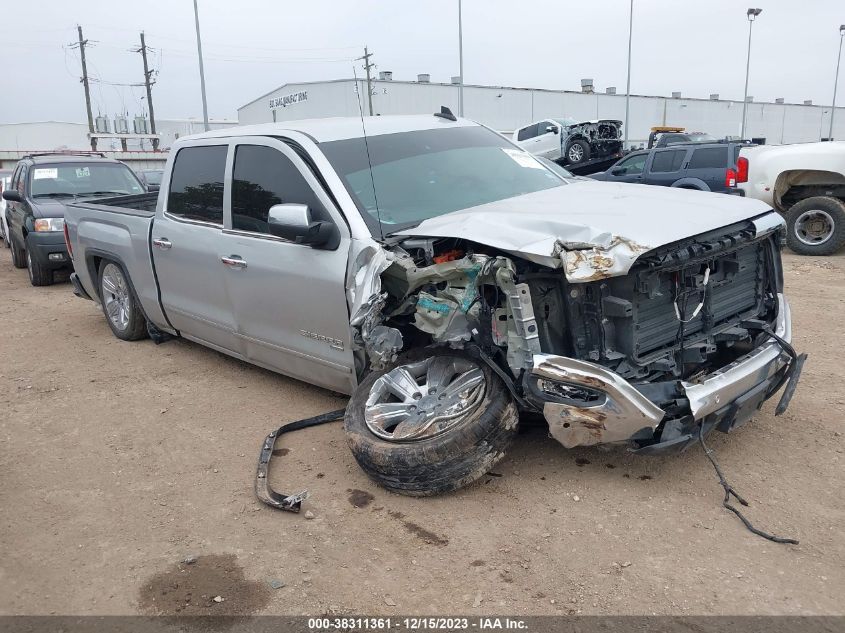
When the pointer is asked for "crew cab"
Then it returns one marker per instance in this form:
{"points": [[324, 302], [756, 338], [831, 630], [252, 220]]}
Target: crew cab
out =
{"points": [[35, 204], [700, 166], [449, 281]]}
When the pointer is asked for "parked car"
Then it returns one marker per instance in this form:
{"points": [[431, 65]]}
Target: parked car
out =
{"points": [[665, 136], [5, 180], [700, 166], [806, 183], [448, 281], [41, 186], [571, 143], [151, 178]]}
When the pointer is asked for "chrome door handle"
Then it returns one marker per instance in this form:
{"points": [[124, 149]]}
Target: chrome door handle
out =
{"points": [[162, 242], [235, 261]]}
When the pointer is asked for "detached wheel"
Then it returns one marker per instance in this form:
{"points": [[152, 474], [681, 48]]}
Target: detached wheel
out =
{"points": [[38, 275], [577, 152], [122, 312], [432, 423], [816, 226]]}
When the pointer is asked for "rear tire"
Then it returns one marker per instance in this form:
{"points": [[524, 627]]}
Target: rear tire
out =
{"points": [[816, 226], [38, 275], [466, 446], [577, 152], [120, 306], [18, 255]]}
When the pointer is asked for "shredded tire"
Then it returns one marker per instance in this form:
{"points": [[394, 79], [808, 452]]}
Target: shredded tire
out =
{"points": [[442, 463]]}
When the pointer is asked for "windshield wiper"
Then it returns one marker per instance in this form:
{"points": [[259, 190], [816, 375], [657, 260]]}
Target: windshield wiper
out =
{"points": [[55, 195], [104, 193]]}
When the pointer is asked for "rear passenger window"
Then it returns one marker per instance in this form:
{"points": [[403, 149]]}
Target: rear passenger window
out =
{"points": [[264, 176], [528, 132], [709, 157], [668, 160], [196, 184]]}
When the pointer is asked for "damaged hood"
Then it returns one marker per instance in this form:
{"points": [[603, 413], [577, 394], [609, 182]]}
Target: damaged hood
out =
{"points": [[591, 229]]}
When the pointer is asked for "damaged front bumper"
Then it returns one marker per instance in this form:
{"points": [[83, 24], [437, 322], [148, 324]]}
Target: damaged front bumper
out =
{"points": [[587, 404]]}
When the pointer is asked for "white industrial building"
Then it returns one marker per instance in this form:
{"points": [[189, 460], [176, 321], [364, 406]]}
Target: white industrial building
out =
{"points": [[506, 109], [19, 139]]}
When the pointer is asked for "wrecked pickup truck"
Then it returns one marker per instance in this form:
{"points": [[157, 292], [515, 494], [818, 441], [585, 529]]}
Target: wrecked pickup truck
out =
{"points": [[449, 281], [584, 147]]}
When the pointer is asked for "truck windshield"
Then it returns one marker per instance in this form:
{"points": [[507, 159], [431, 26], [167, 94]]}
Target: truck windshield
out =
{"points": [[81, 179], [426, 173]]}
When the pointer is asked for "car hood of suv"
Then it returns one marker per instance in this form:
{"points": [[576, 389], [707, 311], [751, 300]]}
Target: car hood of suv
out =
{"points": [[595, 230], [49, 207]]}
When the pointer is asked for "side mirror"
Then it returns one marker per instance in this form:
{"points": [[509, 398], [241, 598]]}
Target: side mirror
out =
{"points": [[152, 188], [552, 128], [293, 222], [619, 171], [12, 195]]}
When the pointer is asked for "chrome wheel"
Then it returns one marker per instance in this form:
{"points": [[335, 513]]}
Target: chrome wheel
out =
{"points": [[575, 153], [424, 399], [814, 227], [115, 294]]}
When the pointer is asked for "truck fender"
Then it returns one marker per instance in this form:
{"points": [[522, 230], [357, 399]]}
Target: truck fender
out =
{"points": [[691, 183]]}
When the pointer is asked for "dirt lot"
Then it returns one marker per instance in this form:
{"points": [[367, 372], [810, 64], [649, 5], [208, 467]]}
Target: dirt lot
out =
{"points": [[120, 460]]}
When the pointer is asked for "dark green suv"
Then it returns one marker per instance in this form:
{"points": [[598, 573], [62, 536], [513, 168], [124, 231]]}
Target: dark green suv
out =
{"points": [[35, 204]]}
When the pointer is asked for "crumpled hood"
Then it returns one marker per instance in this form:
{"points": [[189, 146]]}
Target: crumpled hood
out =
{"points": [[591, 229]]}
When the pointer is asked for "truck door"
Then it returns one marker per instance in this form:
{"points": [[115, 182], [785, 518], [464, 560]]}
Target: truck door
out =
{"points": [[547, 142], [187, 247], [289, 299]]}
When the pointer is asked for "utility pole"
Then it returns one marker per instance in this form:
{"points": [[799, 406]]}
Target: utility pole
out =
{"points": [[751, 14], [628, 86], [461, 58], [149, 84], [836, 82], [82, 44], [367, 66], [202, 72]]}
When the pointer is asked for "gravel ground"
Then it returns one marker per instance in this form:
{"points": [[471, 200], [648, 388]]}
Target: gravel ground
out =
{"points": [[126, 476]]}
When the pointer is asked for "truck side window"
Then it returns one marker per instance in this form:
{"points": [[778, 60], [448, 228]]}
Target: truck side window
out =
{"points": [[528, 132], [263, 176], [709, 157], [196, 184], [668, 160]]}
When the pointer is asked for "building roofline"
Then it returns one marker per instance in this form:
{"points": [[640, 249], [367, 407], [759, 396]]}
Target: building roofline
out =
{"points": [[520, 88]]}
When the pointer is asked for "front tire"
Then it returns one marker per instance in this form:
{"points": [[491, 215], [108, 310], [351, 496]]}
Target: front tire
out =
{"points": [[38, 275], [123, 313], [18, 255], [577, 152], [816, 226], [434, 422]]}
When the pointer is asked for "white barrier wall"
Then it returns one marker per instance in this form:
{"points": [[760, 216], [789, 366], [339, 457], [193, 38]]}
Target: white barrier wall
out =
{"points": [[506, 109]]}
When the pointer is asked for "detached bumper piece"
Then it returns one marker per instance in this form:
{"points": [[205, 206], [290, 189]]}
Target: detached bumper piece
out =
{"points": [[263, 490], [585, 403]]}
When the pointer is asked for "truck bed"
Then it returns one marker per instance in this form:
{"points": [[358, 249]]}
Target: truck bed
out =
{"points": [[116, 229], [142, 204]]}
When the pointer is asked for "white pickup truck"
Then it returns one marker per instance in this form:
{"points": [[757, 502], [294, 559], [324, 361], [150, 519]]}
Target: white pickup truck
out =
{"points": [[806, 183], [448, 281]]}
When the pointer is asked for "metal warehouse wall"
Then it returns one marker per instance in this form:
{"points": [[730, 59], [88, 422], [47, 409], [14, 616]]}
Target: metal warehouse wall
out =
{"points": [[506, 109]]}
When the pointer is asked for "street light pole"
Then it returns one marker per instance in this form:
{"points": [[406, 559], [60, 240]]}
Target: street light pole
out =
{"points": [[202, 72], [628, 88], [836, 81], [461, 57], [751, 14]]}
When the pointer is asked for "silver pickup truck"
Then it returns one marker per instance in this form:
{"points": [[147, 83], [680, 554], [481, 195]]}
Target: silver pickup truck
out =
{"points": [[449, 281]]}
